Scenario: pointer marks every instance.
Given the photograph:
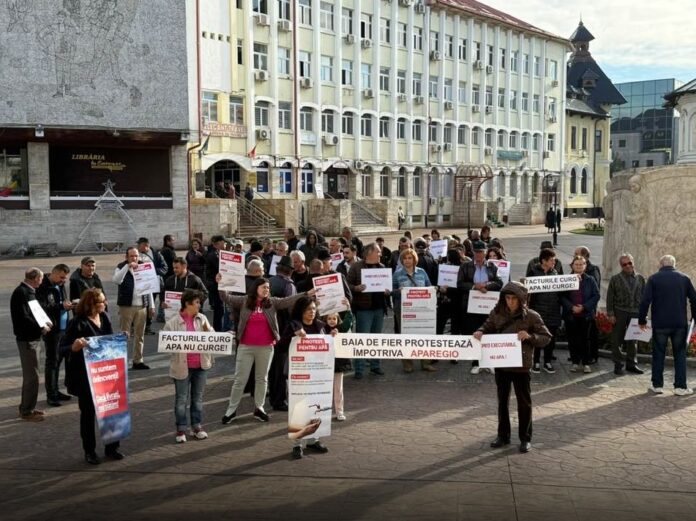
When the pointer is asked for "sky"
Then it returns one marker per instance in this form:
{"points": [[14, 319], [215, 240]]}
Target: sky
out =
{"points": [[634, 39]]}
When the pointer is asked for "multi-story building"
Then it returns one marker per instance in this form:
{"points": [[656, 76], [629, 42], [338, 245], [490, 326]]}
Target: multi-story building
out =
{"points": [[376, 101], [590, 98], [644, 130]]}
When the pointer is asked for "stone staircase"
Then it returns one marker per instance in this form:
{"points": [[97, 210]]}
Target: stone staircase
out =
{"points": [[255, 222], [364, 221], [520, 213]]}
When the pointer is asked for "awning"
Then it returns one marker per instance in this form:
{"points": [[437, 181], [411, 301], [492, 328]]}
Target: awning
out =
{"points": [[208, 160]]}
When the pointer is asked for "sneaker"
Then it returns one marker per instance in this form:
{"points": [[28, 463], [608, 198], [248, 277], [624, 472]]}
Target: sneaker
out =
{"points": [[227, 418], [180, 437], [587, 369], [54, 402], [261, 415], [378, 371], [92, 458], [575, 368], [149, 331], [33, 416], [656, 390], [64, 397], [536, 368], [318, 446], [475, 370], [549, 368], [200, 434], [140, 366], [297, 452], [340, 417], [678, 391]]}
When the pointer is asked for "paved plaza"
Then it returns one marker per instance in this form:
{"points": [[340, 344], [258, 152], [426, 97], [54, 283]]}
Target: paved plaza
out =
{"points": [[415, 446]]}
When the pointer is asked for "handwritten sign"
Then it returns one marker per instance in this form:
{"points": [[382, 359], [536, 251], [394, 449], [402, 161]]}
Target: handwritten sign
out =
{"points": [[447, 275], [501, 351], [438, 249], [482, 303], [376, 280]]}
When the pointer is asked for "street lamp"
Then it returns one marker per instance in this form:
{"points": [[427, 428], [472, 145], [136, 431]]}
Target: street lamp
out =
{"points": [[550, 183]]}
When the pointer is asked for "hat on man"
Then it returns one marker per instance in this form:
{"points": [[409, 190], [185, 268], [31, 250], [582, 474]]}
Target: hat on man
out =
{"points": [[87, 260], [143, 240], [255, 246], [479, 246], [285, 262], [420, 244], [546, 244], [237, 242], [323, 254]]}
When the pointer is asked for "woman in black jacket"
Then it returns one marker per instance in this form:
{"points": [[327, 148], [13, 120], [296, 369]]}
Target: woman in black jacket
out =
{"points": [[90, 320]]}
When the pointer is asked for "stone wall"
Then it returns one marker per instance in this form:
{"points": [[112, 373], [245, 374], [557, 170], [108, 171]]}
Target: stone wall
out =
{"points": [[212, 217], [460, 209], [285, 211], [328, 216]]}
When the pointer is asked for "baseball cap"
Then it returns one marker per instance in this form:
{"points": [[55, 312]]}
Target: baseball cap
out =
{"points": [[479, 246], [88, 260]]}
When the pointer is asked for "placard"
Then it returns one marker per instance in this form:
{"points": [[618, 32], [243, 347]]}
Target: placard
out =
{"points": [[447, 275], [336, 259], [550, 283], [39, 314], [415, 347], [330, 293], [274, 263], [633, 331], [418, 310], [376, 280], [503, 269], [501, 351], [146, 279], [173, 301], [482, 303], [310, 386], [211, 342], [438, 249], [232, 271]]}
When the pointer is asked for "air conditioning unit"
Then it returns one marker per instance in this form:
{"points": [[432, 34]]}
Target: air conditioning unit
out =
{"points": [[418, 100], [435, 55], [475, 108], [554, 83], [263, 133], [449, 105], [448, 146], [350, 39], [369, 93], [420, 8], [284, 25], [402, 97], [366, 43], [552, 118], [358, 165], [435, 147], [261, 75], [546, 154], [263, 19], [489, 69], [489, 109], [306, 83], [488, 151], [478, 64], [330, 139]]}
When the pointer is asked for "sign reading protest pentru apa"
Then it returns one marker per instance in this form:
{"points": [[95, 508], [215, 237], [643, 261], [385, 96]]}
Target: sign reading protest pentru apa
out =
{"points": [[415, 347], [195, 342], [232, 270], [418, 310], [547, 284]]}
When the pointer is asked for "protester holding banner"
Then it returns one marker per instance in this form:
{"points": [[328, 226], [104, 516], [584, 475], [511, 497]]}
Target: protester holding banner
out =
{"points": [[476, 275], [548, 305], [257, 333], [90, 320], [212, 268], [189, 370], [579, 307], [511, 315], [183, 279], [341, 365]]}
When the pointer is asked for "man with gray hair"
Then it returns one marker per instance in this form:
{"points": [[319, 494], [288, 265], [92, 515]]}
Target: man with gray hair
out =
{"points": [[666, 293], [623, 300]]}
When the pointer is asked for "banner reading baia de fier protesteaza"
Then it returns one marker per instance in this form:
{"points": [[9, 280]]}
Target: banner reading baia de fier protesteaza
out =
{"points": [[414, 347]]}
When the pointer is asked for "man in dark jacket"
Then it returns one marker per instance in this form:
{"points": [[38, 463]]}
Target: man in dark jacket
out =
{"points": [[212, 268], [404, 244], [291, 239], [477, 275], [666, 293], [168, 254], [85, 277], [511, 316], [28, 334], [183, 279], [425, 259], [53, 297], [534, 263], [386, 256], [347, 234], [548, 305], [147, 254]]}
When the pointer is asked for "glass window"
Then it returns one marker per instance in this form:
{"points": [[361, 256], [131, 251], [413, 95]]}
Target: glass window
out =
{"points": [[536, 143], [553, 64], [306, 12], [14, 174], [475, 94], [448, 90], [260, 6], [347, 123], [513, 100], [418, 38], [432, 86], [283, 60], [417, 80], [598, 141], [305, 64], [347, 72], [535, 104], [489, 137], [385, 30], [447, 134], [513, 140], [284, 9], [573, 182], [384, 79], [401, 82], [347, 21], [240, 52], [462, 92], [461, 53], [285, 115], [417, 182], [461, 135], [583, 181], [489, 96], [525, 101], [490, 54], [327, 121], [366, 125], [366, 26], [209, 106], [261, 113], [584, 139], [537, 66], [502, 58], [432, 132], [417, 131], [475, 136], [501, 139], [402, 35], [501, 98], [551, 142], [307, 179], [434, 41], [477, 50], [326, 68], [285, 179], [262, 178], [384, 182], [525, 64], [236, 110], [365, 76], [573, 138], [401, 128], [307, 119], [384, 127], [326, 16], [525, 141], [366, 182], [514, 56], [401, 183], [449, 46]]}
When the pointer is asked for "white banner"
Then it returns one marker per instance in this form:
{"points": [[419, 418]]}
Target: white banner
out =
{"points": [[39, 314], [447, 275], [330, 293], [633, 331], [274, 263], [547, 284], [501, 351], [310, 386], [173, 301], [376, 280], [336, 259], [232, 271], [195, 342], [415, 347], [438, 249], [146, 279], [482, 303], [418, 311], [503, 269]]}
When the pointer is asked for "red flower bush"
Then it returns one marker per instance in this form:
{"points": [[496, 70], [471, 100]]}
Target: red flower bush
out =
{"points": [[603, 323]]}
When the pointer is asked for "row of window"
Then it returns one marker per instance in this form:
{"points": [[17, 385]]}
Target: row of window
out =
{"points": [[574, 181], [583, 139]]}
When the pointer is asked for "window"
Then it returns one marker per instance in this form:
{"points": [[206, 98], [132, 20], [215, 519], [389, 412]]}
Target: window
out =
{"points": [[307, 179], [401, 128], [283, 60], [384, 79], [513, 100], [385, 30], [635, 164], [573, 138], [446, 185], [384, 183], [525, 141], [262, 178], [583, 181], [598, 141], [514, 56], [401, 182], [551, 142], [461, 52], [535, 104], [502, 59], [326, 68], [417, 182], [552, 107], [491, 55], [347, 21], [366, 182], [347, 123], [489, 137], [501, 98], [366, 125], [461, 94], [401, 34], [622, 143], [327, 121], [649, 162], [285, 179], [365, 76], [417, 80], [573, 182], [240, 52], [513, 140], [261, 113], [489, 96], [366, 26], [305, 64], [434, 41], [536, 143], [432, 133], [432, 86], [537, 66], [417, 130], [501, 139], [525, 64], [260, 57], [461, 135], [475, 136], [525, 101], [307, 119], [448, 90], [418, 38], [584, 139], [401, 82], [449, 46], [477, 47], [384, 127], [553, 69], [306, 12], [475, 95], [236, 111], [346, 72], [284, 115], [209, 106], [259, 6], [447, 134], [284, 9], [326, 16]]}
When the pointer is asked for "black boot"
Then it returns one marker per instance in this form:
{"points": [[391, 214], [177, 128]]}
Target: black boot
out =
{"points": [[51, 381], [618, 369]]}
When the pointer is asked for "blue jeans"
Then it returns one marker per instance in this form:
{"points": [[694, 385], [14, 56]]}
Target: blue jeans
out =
{"points": [[193, 384], [678, 338], [368, 321]]}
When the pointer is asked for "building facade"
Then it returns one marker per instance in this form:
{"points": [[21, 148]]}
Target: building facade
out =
{"points": [[684, 100], [377, 102]]}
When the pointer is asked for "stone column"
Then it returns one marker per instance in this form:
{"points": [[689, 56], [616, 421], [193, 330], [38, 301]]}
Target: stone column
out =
{"points": [[38, 173]]}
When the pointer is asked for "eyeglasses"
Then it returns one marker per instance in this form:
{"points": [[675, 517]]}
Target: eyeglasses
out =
{"points": [[624, 264]]}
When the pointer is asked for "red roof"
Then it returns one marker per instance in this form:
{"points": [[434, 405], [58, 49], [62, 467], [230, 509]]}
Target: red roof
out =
{"points": [[478, 9]]}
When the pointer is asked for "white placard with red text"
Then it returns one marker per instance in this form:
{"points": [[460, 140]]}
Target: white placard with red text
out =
{"points": [[173, 301], [330, 293], [482, 303], [232, 271], [633, 331], [146, 279], [336, 259], [503, 269], [501, 351], [376, 280], [418, 310]]}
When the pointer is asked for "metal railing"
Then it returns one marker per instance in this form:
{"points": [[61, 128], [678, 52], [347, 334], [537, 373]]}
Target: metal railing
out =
{"points": [[364, 210], [250, 215]]}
